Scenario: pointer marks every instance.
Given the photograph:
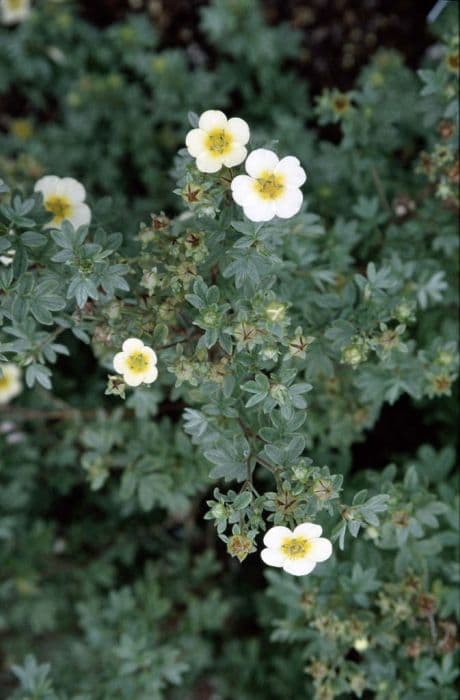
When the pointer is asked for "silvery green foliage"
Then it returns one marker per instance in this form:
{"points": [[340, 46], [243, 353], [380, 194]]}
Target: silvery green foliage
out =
{"points": [[279, 345]]}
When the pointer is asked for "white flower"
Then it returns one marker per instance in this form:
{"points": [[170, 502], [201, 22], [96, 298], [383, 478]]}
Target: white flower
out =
{"points": [[137, 363], [7, 259], [361, 644], [13, 11], [10, 382], [271, 187], [298, 551], [218, 141], [65, 198]]}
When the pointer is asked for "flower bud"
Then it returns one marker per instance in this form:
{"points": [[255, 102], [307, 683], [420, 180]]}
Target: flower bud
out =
{"points": [[354, 354], [361, 644], [219, 511], [280, 393], [275, 311]]}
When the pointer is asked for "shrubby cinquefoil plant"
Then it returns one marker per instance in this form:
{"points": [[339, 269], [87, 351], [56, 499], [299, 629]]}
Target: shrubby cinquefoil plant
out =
{"points": [[224, 360]]}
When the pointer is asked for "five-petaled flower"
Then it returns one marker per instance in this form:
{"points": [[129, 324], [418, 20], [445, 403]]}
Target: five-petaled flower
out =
{"points": [[137, 363], [13, 11], [298, 551], [271, 187], [10, 382], [64, 197], [217, 141]]}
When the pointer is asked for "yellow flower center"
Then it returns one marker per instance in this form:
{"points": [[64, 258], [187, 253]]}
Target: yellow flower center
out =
{"points": [[219, 142], [341, 103], [137, 362], [15, 4], [295, 547], [4, 381], [60, 206], [269, 185], [453, 61], [21, 128]]}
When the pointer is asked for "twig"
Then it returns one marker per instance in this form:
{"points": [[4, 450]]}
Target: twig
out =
{"points": [[381, 192], [25, 414]]}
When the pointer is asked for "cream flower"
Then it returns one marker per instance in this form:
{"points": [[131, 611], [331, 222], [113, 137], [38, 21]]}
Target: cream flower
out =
{"points": [[10, 382], [8, 258], [13, 11], [137, 363], [65, 198], [271, 187], [298, 551], [218, 141]]}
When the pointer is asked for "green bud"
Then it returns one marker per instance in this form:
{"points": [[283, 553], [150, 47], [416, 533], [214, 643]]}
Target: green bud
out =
{"points": [[219, 511], [354, 354], [280, 393]]}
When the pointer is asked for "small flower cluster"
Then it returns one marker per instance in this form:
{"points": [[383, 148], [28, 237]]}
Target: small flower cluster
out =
{"points": [[271, 186]]}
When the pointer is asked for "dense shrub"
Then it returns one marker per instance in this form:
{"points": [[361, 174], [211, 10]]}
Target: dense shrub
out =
{"points": [[279, 346]]}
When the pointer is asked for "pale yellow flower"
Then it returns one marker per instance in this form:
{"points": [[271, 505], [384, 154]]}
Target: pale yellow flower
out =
{"points": [[298, 551], [137, 363], [271, 187], [64, 197], [13, 11], [10, 382], [217, 141]]}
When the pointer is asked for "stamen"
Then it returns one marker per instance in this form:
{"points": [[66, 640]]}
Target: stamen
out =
{"points": [[137, 362], [295, 547], [219, 141], [270, 185], [59, 206]]}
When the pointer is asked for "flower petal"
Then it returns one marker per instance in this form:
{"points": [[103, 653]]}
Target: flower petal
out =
{"points": [[212, 119], [133, 378], [263, 211], [272, 557], [308, 530], [132, 345], [261, 160], [275, 535], [320, 549], [235, 157], [195, 142], [11, 369], [242, 187], [239, 130], [208, 164], [299, 567], [294, 174], [81, 215], [119, 362], [289, 204], [47, 185], [150, 376], [71, 188], [151, 354]]}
